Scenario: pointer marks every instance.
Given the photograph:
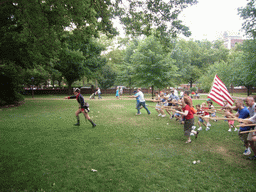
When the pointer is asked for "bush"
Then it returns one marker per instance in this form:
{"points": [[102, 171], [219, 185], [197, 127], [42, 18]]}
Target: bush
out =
{"points": [[193, 89]]}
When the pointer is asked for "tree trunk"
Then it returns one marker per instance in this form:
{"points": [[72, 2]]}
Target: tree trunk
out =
{"points": [[248, 90], [232, 89], [53, 79], [130, 84], [69, 88], [191, 83], [152, 91]]}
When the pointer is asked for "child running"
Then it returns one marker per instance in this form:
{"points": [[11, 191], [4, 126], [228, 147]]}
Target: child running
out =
{"points": [[200, 113], [206, 114], [228, 114], [189, 118]]}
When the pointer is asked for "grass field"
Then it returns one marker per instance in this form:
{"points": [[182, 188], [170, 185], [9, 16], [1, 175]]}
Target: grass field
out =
{"points": [[41, 150]]}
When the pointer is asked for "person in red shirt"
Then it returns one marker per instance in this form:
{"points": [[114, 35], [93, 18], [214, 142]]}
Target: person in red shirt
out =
{"points": [[189, 118]]}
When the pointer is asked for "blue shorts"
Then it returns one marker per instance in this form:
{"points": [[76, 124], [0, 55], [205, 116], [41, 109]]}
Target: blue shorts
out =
{"points": [[200, 120], [177, 114]]}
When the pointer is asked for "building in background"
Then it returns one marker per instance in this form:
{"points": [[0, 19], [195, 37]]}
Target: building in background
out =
{"points": [[231, 41]]}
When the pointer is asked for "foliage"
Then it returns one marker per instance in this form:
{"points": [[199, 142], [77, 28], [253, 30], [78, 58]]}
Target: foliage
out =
{"points": [[194, 57], [140, 17], [193, 89], [10, 86], [222, 69], [79, 57], [248, 13], [125, 68], [106, 77], [151, 66], [39, 74], [244, 66], [35, 28]]}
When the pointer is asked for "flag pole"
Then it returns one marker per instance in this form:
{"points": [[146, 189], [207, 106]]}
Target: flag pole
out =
{"points": [[212, 86]]}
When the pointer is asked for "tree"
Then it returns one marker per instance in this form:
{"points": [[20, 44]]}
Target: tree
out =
{"points": [[71, 65], [244, 66], [32, 31], [248, 13], [39, 74], [194, 57], [152, 67], [79, 57], [142, 16], [106, 77], [222, 69], [125, 69], [10, 84]]}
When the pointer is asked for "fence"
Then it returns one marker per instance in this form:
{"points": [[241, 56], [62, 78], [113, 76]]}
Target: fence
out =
{"points": [[84, 91]]}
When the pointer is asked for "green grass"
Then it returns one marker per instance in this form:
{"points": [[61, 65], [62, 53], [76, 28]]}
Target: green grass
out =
{"points": [[41, 150]]}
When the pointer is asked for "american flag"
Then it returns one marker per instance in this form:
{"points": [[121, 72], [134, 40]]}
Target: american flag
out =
{"points": [[219, 92]]}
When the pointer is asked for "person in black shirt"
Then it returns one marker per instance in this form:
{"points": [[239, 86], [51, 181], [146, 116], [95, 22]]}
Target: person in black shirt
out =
{"points": [[83, 107]]}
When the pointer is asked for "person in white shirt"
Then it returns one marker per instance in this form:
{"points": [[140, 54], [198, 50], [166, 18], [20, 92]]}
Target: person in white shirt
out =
{"points": [[99, 93], [175, 92], [181, 94], [140, 95]]}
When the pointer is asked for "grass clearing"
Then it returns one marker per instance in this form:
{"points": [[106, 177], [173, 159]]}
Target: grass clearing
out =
{"points": [[41, 150]]}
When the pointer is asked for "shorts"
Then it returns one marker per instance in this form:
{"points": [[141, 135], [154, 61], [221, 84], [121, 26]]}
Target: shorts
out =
{"points": [[158, 107], [252, 134], [177, 114], [243, 137], [231, 122], [213, 114], [200, 120], [188, 126], [86, 110]]}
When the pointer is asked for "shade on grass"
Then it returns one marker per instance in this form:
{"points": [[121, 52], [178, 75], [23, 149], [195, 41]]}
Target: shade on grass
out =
{"points": [[42, 150]]}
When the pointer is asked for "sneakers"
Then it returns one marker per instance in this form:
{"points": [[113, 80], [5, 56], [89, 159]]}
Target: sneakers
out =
{"points": [[209, 125], [235, 129], [199, 129], [229, 130], [192, 134], [207, 128], [159, 114], [247, 152], [77, 124], [138, 113], [193, 127], [163, 115], [197, 134]]}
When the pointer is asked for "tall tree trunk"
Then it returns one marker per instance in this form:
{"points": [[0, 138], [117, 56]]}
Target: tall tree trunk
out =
{"points": [[69, 88], [130, 84], [191, 83], [53, 79], [248, 90], [152, 91]]}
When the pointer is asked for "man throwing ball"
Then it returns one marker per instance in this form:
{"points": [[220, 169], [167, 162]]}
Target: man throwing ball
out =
{"points": [[83, 107]]}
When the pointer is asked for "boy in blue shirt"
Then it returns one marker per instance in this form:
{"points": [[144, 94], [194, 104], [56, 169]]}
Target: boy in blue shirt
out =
{"points": [[243, 113]]}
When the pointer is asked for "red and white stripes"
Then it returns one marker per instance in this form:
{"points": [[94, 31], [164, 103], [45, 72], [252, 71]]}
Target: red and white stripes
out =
{"points": [[219, 92]]}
